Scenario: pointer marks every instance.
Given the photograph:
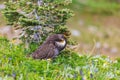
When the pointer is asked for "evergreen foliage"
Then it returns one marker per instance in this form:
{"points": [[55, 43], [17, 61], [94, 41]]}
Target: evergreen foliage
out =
{"points": [[37, 18]]}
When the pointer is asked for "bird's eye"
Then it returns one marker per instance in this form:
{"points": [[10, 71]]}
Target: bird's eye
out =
{"points": [[60, 40]]}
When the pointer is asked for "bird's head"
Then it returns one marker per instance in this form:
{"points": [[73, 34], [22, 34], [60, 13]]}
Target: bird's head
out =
{"points": [[59, 40]]}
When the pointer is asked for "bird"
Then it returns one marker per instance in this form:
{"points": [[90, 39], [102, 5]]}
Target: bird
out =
{"points": [[51, 48]]}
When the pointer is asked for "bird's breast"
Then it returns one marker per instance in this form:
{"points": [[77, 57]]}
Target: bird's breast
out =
{"points": [[61, 43]]}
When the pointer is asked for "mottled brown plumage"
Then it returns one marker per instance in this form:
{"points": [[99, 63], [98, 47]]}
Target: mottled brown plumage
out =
{"points": [[51, 47]]}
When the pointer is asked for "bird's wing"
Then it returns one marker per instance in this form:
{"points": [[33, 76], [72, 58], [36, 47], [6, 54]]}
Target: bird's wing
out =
{"points": [[53, 52], [44, 52]]}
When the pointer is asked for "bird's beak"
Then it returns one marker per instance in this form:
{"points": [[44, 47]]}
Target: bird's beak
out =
{"points": [[62, 40]]}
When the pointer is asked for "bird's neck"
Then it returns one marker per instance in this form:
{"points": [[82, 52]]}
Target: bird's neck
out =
{"points": [[60, 45]]}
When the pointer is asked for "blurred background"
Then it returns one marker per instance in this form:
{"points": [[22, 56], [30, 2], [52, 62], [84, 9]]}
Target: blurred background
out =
{"points": [[95, 26]]}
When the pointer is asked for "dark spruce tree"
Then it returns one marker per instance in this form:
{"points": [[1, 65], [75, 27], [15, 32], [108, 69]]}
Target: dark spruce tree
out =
{"points": [[37, 18]]}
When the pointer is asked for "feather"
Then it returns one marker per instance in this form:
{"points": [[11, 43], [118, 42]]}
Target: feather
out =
{"points": [[49, 49]]}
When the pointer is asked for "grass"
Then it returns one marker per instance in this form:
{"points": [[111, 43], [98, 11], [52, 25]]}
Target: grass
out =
{"points": [[96, 28], [2, 20], [14, 65], [96, 6]]}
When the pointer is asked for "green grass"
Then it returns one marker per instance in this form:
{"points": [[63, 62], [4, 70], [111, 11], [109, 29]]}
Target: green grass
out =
{"points": [[96, 28], [96, 6], [68, 66]]}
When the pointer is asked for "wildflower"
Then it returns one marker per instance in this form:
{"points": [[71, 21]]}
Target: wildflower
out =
{"points": [[14, 75]]}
